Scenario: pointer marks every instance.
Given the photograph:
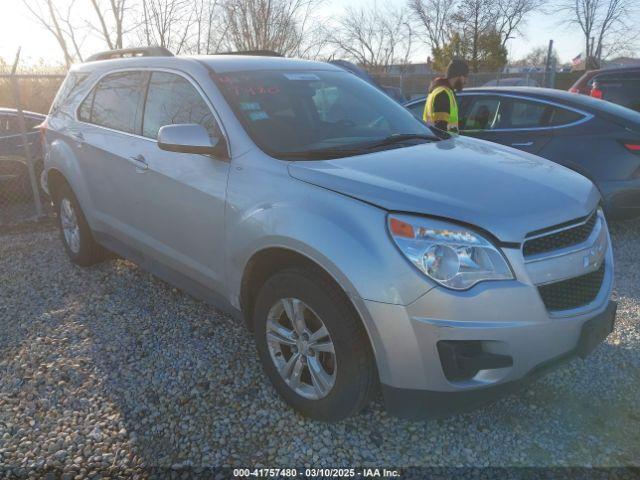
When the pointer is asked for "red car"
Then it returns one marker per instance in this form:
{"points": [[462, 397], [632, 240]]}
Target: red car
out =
{"points": [[617, 85]]}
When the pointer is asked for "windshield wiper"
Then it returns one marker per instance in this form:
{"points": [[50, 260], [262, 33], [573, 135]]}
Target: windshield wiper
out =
{"points": [[399, 138], [355, 149], [320, 154]]}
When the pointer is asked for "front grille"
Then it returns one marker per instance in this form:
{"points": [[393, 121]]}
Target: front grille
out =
{"points": [[573, 293], [562, 239]]}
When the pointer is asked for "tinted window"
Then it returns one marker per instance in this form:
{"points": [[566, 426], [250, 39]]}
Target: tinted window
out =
{"points": [[117, 102], [8, 125], [481, 112], [296, 114], [526, 114], [562, 116], [172, 99], [624, 90], [69, 86]]}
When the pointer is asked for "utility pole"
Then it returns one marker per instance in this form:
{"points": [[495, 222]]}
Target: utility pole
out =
{"points": [[23, 137], [547, 68]]}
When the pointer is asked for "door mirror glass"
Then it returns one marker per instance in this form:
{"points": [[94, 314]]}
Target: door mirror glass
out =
{"points": [[190, 138]]}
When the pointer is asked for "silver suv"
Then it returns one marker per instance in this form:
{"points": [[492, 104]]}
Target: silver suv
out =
{"points": [[364, 250]]}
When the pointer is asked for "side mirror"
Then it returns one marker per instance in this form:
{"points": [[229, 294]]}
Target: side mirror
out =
{"points": [[191, 138]]}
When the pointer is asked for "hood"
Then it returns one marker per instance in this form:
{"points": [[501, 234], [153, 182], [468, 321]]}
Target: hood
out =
{"points": [[502, 190]]}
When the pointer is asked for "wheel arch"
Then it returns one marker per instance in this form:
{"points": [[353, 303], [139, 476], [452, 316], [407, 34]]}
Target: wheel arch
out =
{"points": [[55, 179], [266, 262]]}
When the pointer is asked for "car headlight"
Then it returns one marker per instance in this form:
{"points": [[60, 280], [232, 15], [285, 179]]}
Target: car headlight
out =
{"points": [[452, 255]]}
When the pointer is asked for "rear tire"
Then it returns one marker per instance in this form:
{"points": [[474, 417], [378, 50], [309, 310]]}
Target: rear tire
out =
{"points": [[75, 233], [334, 374]]}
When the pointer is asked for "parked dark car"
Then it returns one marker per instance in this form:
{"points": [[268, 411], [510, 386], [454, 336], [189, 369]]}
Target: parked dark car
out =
{"points": [[617, 85], [512, 82], [14, 174], [393, 92], [600, 140]]}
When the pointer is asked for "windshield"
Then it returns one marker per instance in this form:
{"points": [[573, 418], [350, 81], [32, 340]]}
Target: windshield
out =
{"points": [[318, 114]]}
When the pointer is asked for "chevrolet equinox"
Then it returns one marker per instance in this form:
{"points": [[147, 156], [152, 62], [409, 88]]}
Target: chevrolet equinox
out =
{"points": [[365, 251]]}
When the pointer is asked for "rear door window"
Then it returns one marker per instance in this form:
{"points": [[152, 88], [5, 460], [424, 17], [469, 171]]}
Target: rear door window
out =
{"points": [[116, 102], [172, 99], [526, 114]]}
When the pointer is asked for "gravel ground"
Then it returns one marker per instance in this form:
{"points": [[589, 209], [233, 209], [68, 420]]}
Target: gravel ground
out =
{"points": [[109, 367]]}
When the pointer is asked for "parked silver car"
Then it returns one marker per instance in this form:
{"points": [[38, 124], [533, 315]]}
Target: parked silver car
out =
{"points": [[361, 248]]}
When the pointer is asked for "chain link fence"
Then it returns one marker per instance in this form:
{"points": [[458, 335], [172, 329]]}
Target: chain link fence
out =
{"points": [[414, 85], [24, 101]]}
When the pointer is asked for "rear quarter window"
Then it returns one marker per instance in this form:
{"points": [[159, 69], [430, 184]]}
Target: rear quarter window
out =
{"points": [[561, 116], [71, 84]]}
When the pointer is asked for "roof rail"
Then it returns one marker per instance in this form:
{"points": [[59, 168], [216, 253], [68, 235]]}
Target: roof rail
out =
{"points": [[131, 52], [257, 53]]}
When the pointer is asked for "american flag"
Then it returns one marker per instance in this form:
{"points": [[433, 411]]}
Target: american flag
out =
{"points": [[576, 60]]}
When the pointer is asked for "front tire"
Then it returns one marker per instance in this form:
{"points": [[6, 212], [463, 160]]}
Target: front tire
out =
{"points": [[312, 345], [75, 233]]}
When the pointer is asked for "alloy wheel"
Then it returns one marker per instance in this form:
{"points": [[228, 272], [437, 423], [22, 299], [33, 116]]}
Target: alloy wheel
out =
{"points": [[301, 348], [70, 226]]}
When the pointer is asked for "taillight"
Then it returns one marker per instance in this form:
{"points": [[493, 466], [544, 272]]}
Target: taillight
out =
{"points": [[596, 92], [633, 147]]}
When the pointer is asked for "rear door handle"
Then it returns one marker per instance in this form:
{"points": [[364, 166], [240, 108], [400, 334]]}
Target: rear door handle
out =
{"points": [[523, 144], [140, 162]]}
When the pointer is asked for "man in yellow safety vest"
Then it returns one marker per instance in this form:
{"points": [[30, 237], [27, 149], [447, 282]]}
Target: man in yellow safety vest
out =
{"points": [[441, 107]]}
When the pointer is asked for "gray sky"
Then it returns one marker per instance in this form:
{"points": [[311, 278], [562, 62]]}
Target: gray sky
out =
{"points": [[17, 28]]}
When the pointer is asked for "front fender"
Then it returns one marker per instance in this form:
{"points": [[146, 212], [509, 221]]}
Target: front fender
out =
{"points": [[344, 236]]}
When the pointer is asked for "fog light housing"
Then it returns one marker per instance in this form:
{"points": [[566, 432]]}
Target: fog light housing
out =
{"points": [[463, 359]]}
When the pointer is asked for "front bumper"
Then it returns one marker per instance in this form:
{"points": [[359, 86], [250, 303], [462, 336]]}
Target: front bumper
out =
{"points": [[507, 318], [421, 404]]}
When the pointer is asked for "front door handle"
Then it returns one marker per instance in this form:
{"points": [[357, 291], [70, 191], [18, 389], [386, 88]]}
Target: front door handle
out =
{"points": [[523, 144], [140, 162]]}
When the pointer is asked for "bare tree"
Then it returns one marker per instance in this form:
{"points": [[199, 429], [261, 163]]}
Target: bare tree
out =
{"points": [[605, 25], [278, 25], [75, 33], [434, 17], [510, 16], [208, 28], [48, 15], [537, 57], [111, 14], [168, 23], [373, 37]]}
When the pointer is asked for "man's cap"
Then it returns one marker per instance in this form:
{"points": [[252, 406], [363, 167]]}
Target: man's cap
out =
{"points": [[457, 67]]}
